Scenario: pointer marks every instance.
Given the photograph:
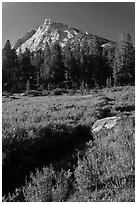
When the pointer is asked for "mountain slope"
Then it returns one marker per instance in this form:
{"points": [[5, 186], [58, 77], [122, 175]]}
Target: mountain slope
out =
{"points": [[24, 38], [50, 32]]}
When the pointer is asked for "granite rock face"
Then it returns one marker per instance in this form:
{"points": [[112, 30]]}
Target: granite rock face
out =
{"points": [[50, 32], [107, 123]]}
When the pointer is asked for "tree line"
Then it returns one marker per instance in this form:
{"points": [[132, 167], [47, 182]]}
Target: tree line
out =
{"points": [[82, 62]]}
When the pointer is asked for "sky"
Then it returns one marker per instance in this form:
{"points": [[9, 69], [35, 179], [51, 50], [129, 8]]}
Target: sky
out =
{"points": [[105, 19]]}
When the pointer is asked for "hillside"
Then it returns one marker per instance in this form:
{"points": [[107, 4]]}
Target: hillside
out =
{"points": [[24, 39], [50, 32]]}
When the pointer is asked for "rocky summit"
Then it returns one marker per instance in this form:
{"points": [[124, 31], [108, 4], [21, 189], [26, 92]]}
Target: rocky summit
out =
{"points": [[50, 32]]}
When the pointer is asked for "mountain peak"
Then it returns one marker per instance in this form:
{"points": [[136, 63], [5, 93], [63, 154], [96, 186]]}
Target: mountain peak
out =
{"points": [[50, 32], [47, 21]]}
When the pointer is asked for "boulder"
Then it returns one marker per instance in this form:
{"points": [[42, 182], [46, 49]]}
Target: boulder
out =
{"points": [[23, 94], [106, 123]]}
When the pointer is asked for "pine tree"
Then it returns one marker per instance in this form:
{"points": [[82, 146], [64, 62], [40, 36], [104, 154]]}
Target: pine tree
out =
{"points": [[123, 68], [96, 70], [84, 54], [6, 64], [10, 68], [7, 49], [67, 54], [57, 68], [76, 71], [70, 64], [45, 68], [108, 53], [37, 60], [28, 70]]}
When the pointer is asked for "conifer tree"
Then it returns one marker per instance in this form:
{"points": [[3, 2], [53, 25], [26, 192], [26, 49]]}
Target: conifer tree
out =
{"points": [[68, 61], [57, 68], [123, 68], [76, 56], [28, 70], [45, 68], [37, 59], [84, 54], [96, 69], [70, 64], [10, 68], [108, 53]]}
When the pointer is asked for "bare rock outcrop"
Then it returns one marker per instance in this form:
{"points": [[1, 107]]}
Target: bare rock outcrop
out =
{"points": [[50, 32], [107, 123]]}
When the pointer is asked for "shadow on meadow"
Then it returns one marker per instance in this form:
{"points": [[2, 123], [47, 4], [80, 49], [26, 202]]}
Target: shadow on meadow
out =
{"points": [[79, 165]]}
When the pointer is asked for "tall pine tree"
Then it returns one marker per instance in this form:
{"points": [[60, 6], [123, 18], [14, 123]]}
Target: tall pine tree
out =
{"points": [[10, 68], [45, 68], [37, 59], [96, 70], [71, 67], [57, 68], [28, 70], [124, 61]]}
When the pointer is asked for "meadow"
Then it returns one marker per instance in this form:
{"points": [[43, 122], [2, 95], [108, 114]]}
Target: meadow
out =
{"points": [[51, 154]]}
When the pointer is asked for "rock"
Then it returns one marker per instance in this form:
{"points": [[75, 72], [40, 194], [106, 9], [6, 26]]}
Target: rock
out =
{"points": [[23, 94], [13, 97], [106, 123], [50, 32]]}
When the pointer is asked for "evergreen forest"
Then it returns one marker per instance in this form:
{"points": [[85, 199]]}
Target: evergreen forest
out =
{"points": [[83, 64]]}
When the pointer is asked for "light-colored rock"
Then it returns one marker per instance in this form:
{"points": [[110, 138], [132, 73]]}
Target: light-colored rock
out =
{"points": [[23, 94], [48, 32], [107, 123]]}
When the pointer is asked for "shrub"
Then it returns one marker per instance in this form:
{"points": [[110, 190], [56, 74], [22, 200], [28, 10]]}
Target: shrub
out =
{"points": [[62, 188], [109, 163], [45, 92], [125, 107], [6, 94], [15, 197], [33, 148], [86, 175], [71, 92], [32, 93], [39, 189], [44, 186], [104, 112], [58, 91]]}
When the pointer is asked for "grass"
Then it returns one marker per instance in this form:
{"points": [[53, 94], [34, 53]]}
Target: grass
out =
{"points": [[49, 130]]}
